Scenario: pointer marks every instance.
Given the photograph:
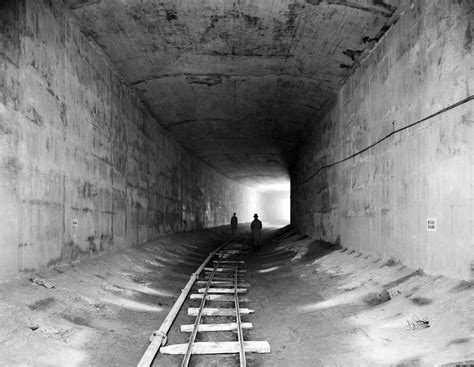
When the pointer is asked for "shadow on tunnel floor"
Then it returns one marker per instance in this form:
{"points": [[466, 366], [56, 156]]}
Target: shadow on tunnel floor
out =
{"points": [[280, 245], [322, 305]]}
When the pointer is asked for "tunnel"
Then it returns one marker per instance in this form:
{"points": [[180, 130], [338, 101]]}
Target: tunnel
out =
{"points": [[133, 131]]}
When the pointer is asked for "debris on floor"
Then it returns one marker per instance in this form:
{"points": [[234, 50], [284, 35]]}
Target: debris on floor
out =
{"points": [[42, 282], [376, 298], [417, 324]]}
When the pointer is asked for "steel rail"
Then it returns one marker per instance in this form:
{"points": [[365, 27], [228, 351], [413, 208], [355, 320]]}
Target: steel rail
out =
{"points": [[243, 362], [158, 338], [192, 338]]}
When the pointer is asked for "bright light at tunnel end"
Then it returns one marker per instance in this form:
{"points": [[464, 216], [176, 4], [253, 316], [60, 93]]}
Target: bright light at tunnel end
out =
{"points": [[279, 186], [274, 202]]}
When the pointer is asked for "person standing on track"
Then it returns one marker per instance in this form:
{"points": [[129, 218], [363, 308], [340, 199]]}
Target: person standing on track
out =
{"points": [[256, 227], [233, 224]]}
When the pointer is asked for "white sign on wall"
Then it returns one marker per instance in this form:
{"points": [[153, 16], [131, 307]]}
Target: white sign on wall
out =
{"points": [[431, 224]]}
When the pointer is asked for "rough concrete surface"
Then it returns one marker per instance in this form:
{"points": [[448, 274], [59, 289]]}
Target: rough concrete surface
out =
{"points": [[83, 165], [379, 201], [236, 81], [347, 310]]}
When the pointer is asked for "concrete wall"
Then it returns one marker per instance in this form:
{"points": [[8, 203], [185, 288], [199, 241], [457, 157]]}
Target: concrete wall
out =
{"points": [[83, 167], [379, 201]]}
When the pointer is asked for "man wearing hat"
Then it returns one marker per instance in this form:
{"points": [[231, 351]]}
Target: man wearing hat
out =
{"points": [[256, 227]]}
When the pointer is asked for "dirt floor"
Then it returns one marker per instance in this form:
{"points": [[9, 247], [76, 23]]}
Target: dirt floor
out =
{"points": [[315, 304]]}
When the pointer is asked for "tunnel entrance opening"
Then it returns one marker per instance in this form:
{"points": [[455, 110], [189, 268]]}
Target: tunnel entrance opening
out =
{"points": [[274, 204]]}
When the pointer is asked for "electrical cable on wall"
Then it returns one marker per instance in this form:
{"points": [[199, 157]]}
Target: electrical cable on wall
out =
{"points": [[450, 107]]}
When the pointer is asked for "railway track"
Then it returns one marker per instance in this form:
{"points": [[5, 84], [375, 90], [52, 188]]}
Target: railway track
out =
{"points": [[220, 289]]}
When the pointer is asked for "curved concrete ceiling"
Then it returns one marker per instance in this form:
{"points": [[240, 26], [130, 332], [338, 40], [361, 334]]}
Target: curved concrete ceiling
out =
{"points": [[236, 81]]}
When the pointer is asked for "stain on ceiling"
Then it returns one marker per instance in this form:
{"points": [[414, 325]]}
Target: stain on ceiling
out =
{"points": [[237, 81]]}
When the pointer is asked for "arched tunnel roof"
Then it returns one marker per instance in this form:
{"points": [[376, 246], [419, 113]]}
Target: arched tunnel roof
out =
{"points": [[236, 82]]}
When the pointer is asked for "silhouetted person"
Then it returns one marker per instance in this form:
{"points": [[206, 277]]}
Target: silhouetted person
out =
{"points": [[256, 227], [233, 224]]}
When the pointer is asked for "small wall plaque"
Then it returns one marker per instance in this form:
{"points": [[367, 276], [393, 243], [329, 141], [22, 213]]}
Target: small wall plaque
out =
{"points": [[75, 222], [431, 224]]}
